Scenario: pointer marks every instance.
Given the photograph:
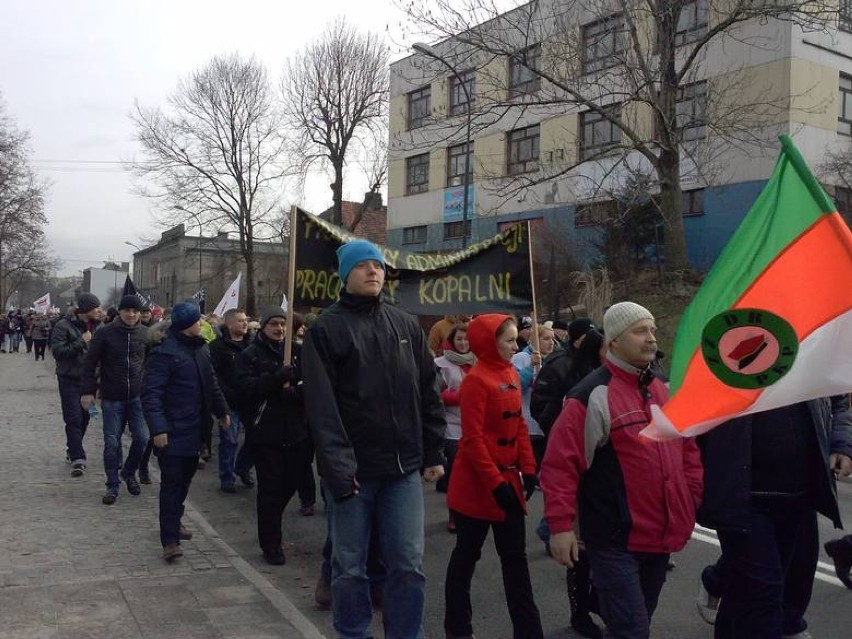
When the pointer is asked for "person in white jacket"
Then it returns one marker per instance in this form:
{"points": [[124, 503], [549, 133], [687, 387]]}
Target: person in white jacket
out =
{"points": [[528, 363], [453, 365]]}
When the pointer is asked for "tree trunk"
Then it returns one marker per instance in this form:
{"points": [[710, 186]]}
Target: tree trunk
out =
{"points": [[337, 193], [670, 204], [251, 301]]}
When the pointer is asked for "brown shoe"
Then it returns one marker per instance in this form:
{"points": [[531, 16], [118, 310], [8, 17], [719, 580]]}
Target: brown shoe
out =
{"points": [[172, 552], [322, 593], [184, 532]]}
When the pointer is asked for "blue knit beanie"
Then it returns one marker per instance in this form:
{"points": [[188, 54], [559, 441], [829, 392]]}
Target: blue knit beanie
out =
{"points": [[349, 254], [185, 315]]}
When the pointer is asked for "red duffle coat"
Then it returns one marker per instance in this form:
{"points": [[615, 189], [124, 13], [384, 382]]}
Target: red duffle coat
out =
{"points": [[495, 445]]}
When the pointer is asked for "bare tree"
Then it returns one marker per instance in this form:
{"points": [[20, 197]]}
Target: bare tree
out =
{"points": [[639, 68], [23, 250], [216, 156], [335, 96]]}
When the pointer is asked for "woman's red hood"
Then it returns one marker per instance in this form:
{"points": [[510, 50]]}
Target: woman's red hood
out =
{"points": [[482, 335]]}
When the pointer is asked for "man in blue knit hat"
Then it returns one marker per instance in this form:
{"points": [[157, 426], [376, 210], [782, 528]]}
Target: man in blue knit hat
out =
{"points": [[377, 419]]}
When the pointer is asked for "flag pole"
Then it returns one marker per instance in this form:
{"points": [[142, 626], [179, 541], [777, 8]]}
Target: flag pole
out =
{"points": [[291, 284], [534, 335]]}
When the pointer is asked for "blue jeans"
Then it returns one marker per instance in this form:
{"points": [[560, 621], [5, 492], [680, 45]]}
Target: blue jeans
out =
{"points": [[628, 586], [230, 461], [397, 505], [116, 415], [769, 571], [176, 473], [76, 419]]}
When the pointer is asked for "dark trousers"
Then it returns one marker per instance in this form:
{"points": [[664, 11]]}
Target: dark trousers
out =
{"points": [[628, 586], [29, 342], [75, 417], [146, 456], [206, 435], [176, 473], [510, 542], [307, 487], [769, 571], [279, 470], [40, 346], [451, 449]]}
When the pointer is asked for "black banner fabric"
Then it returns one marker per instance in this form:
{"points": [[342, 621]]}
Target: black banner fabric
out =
{"points": [[490, 276]]}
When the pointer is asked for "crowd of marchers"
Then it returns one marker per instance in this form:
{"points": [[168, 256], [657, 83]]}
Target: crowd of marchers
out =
{"points": [[491, 409]]}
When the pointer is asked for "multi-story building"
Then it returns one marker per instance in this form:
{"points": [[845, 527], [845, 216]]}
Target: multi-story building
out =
{"points": [[177, 266], [540, 154]]}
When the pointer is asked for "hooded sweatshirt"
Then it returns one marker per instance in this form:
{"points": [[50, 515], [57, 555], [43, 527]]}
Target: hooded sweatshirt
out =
{"points": [[495, 445]]}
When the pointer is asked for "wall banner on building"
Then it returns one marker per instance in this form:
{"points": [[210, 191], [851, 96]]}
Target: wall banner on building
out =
{"points": [[454, 203], [489, 276]]}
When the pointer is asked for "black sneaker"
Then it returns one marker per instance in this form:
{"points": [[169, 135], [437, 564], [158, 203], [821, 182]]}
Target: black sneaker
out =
{"points": [[109, 498], [275, 556], [132, 485], [246, 478], [144, 477], [77, 469]]}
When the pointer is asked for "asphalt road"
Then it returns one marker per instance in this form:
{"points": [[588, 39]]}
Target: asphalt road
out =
{"points": [[830, 615]]}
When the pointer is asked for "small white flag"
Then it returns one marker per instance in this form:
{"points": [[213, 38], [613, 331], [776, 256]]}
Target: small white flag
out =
{"points": [[231, 299], [42, 304], [284, 303]]}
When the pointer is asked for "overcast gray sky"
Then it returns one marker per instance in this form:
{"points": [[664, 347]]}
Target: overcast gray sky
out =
{"points": [[70, 71]]}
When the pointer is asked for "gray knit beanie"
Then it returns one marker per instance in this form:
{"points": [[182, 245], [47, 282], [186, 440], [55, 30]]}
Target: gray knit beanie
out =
{"points": [[619, 317]]}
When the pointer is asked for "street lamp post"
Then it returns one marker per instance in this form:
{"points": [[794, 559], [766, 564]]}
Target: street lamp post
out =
{"points": [[425, 49]]}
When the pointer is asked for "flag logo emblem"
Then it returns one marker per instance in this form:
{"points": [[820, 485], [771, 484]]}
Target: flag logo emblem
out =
{"points": [[749, 348]]}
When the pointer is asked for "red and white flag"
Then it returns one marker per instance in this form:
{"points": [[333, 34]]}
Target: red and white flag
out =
{"points": [[231, 299], [42, 304]]}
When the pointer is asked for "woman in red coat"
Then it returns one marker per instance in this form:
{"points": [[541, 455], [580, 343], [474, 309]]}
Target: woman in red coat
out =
{"points": [[493, 476]]}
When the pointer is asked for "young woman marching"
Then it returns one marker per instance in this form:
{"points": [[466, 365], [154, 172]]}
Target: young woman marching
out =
{"points": [[493, 473], [453, 365]]}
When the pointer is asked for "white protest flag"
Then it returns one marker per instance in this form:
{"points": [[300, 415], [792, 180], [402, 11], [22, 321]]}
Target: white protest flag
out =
{"points": [[42, 304], [231, 299], [284, 303]]}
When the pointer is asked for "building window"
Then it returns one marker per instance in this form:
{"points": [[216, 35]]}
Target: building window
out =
{"points": [[460, 89], [691, 118], [845, 22], [603, 43], [692, 203], [456, 230], [417, 174], [523, 72], [844, 124], [692, 23], [843, 201], [459, 158], [523, 150], [414, 235], [599, 134], [594, 214], [419, 107]]}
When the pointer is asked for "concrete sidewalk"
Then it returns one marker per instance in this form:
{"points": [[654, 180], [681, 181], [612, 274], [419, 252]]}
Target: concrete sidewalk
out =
{"points": [[73, 567]]}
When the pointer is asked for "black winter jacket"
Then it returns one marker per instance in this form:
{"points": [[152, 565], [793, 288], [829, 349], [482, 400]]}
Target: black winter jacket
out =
{"points": [[371, 393], [223, 353], [726, 455], [272, 414], [178, 387], [119, 351], [68, 347]]}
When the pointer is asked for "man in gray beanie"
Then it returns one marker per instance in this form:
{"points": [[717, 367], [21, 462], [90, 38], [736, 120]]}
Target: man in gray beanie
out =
{"points": [[628, 534], [69, 342]]}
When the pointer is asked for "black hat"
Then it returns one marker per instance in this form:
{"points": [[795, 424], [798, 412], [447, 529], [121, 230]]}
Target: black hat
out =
{"points": [[579, 327], [560, 325], [269, 312], [130, 302], [87, 302], [185, 315], [524, 322]]}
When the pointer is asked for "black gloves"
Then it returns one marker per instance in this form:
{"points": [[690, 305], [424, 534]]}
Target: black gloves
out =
{"points": [[530, 483], [507, 499]]}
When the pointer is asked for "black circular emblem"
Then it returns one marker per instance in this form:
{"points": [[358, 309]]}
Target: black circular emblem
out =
{"points": [[749, 347]]}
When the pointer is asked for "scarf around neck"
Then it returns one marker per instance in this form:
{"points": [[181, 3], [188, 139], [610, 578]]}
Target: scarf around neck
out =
{"points": [[460, 359]]}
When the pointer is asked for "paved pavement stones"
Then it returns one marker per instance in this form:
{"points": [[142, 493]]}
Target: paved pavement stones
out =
{"points": [[73, 567]]}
